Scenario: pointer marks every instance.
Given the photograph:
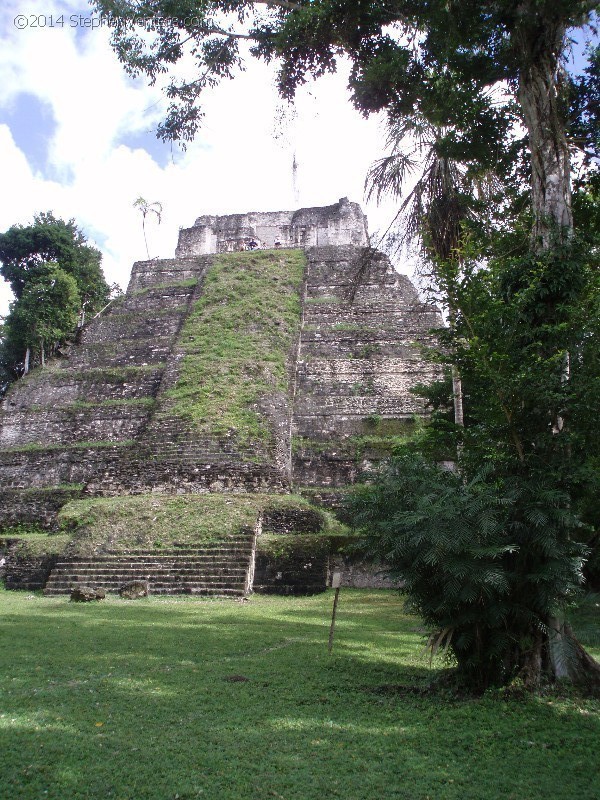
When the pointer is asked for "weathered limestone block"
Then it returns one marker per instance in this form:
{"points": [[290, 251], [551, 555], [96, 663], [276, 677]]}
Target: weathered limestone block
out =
{"points": [[142, 324], [86, 594], [134, 590], [299, 572], [360, 574], [126, 353], [63, 387], [67, 426], [27, 469], [357, 360], [159, 298], [21, 569], [292, 520], [34, 506]]}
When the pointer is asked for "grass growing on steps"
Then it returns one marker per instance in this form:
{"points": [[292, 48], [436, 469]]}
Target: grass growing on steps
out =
{"points": [[36, 447], [185, 284], [149, 521], [237, 341], [184, 699], [83, 405], [39, 543]]}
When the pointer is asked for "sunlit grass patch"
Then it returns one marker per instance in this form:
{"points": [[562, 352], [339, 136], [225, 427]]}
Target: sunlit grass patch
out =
{"points": [[183, 698]]}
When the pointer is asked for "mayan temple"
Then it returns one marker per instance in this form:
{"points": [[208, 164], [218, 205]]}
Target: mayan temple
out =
{"points": [[216, 409]]}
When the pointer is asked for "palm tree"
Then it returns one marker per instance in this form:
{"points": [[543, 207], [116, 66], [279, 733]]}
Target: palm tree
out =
{"points": [[435, 211], [146, 208]]}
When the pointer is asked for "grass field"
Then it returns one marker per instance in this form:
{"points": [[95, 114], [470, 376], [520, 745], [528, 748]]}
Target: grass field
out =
{"points": [[166, 699]]}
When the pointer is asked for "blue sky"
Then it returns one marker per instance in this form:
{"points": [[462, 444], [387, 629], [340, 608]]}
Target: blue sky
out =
{"points": [[76, 137]]}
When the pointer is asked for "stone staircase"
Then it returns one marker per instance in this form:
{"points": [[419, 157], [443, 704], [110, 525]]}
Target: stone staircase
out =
{"points": [[220, 569], [356, 363]]}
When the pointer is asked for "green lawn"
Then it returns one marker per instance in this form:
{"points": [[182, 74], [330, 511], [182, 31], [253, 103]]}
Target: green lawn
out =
{"points": [[183, 698]]}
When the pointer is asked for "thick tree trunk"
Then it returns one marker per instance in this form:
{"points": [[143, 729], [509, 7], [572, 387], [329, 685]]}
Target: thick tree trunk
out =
{"points": [[568, 659], [539, 52], [539, 44], [26, 365]]}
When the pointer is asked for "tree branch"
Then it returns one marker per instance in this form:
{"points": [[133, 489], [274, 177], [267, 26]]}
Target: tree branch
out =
{"points": [[280, 4], [229, 34]]}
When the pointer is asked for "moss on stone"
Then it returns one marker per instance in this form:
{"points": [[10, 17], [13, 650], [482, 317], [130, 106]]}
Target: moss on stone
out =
{"points": [[149, 521], [41, 490], [137, 315], [82, 405], [35, 543], [389, 435], [145, 402], [236, 342], [34, 447], [110, 374], [325, 300], [186, 284]]}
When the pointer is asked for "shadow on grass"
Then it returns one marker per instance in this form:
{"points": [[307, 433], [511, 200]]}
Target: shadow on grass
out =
{"points": [[136, 701]]}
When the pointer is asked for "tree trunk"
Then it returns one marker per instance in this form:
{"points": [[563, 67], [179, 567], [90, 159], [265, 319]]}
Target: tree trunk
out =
{"points": [[539, 43], [145, 239], [459, 418], [568, 659], [457, 393], [539, 50], [26, 365]]}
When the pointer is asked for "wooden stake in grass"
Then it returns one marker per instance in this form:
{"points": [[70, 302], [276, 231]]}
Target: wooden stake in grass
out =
{"points": [[336, 582]]}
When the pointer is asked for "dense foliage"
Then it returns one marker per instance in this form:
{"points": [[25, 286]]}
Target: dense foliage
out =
{"points": [[56, 279], [493, 550], [485, 560]]}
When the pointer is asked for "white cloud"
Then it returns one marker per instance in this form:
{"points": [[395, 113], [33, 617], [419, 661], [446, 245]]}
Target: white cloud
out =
{"points": [[236, 164]]}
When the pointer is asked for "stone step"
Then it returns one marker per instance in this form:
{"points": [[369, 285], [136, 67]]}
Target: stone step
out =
{"points": [[224, 560], [217, 568], [188, 589], [99, 563], [215, 562], [221, 545], [179, 552], [240, 567], [158, 580], [162, 577], [128, 575], [223, 557]]}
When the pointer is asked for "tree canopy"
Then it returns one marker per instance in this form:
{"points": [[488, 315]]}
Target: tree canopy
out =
{"points": [[440, 61], [25, 250], [55, 276]]}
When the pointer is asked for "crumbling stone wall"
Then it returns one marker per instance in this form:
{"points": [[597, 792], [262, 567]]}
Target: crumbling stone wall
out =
{"points": [[100, 420], [338, 224]]}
